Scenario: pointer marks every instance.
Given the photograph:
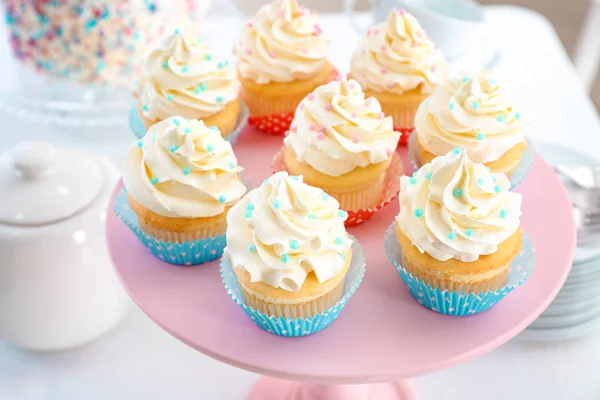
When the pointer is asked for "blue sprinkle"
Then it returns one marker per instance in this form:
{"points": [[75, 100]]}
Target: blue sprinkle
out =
{"points": [[176, 31], [343, 256], [501, 118], [140, 144], [415, 173], [465, 79], [451, 105], [339, 241], [324, 196], [176, 122], [503, 213], [145, 107], [210, 148], [186, 171], [412, 180], [154, 180], [231, 165], [294, 244], [222, 199], [428, 176], [494, 178], [492, 82], [170, 97], [213, 128], [418, 212], [285, 258], [219, 99], [276, 204], [497, 189], [250, 207], [475, 105], [517, 115], [469, 232], [252, 248], [456, 151], [480, 136], [457, 192], [173, 149], [187, 130], [451, 235], [266, 181], [248, 214], [165, 64], [295, 177], [480, 181], [208, 57], [185, 69], [312, 216], [220, 65], [100, 66], [199, 39], [136, 36], [342, 214]]}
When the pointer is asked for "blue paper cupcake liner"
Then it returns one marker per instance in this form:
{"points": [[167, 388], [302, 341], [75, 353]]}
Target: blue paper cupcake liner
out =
{"points": [[516, 177], [455, 303], [297, 327], [136, 125], [186, 253]]}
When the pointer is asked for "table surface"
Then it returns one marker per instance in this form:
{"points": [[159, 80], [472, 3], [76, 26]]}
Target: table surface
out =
{"points": [[139, 360]]}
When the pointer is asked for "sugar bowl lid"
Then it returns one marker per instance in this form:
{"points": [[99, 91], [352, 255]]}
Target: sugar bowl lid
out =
{"points": [[42, 184]]}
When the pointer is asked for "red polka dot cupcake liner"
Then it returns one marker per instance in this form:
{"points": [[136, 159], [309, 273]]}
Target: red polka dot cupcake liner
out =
{"points": [[405, 135], [391, 188]]}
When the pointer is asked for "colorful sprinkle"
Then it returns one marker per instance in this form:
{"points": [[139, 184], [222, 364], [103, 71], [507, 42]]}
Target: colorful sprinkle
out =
{"points": [[480, 136], [250, 207], [517, 115], [381, 115], [176, 122], [383, 70], [503, 214], [428, 176], [328, 107], [501, 118], [249, 51], [294, 244], [465, 79], [456, 151], [285, 258], [170, 97], [210, 148], [469, 232], [339, 241], [343, 256], [187, 130], [165, 64], [208, 57], [342, 214], [173, 149], [356, 139], [231, 165], [312, 216], [154, 180], [480, 181], [186, 171], [497, 189], [492, 82], [457, 192], [295, 177], [140, 144], [222, 199], [252, 248], [177, 31], [412, 180], [418, 213], [451, 235], [475, 105], [219, 99], [248, 214], [200, 88], [145, 107], [276, 204], [451, 106], [221, 65], [324, 196], [184, 69]]}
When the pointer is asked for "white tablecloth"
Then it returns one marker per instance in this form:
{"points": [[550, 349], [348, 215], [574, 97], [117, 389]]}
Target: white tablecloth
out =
{"points": [[140, 361]]}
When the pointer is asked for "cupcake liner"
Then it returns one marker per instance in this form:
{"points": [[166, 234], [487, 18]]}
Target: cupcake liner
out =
{"points": [[186, 253], [405, 135], [278, 123], [300, 326], [136, 125], [515, 177], [455, 303], [391, 188]]}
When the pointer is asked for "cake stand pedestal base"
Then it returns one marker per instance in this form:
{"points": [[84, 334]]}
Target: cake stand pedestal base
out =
{"points": [[278, 389]]}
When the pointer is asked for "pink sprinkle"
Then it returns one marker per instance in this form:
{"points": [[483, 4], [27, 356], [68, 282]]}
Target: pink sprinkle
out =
{"points": [[310, 96], [302, 106], [370, 101], [380, 115], [354, 114], [351, 86], [302, 11], [388, 152], [321, 129], [287, 133], [321, 136], [384, 48], [402, 11], [414, 44], [356, 139], [433, 68], [294, 129], [376, 31], [390, 85], [250, 24], [248, 51], [369, 31], [328, 107], [338, 78], [318, 29], [383, 70], [272, 54], [304, 51], [281, 12], [312, 127]]}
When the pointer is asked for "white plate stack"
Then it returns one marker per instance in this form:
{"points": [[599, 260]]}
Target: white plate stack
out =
{"points": [[576, 309]]}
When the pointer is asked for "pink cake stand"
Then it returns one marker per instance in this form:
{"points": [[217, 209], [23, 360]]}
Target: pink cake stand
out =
{"points": [[382, 337]]}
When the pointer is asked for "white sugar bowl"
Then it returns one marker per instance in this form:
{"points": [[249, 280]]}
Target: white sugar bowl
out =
{"points": [[58, 288]]}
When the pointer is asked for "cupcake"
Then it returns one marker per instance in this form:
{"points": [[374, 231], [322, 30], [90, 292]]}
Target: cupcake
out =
{"points": [[282, 56], [184, 78], [472, 113], [289, 249], [399, 65], [458, 225], [342, 143], [182, 178]]}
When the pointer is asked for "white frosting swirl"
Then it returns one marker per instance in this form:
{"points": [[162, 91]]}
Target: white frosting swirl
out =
{"points": [[335, 129], [284, 43], [183, 77], [397, 56], [183, 169], [285, 230], [454, 208], [472, 112]]}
